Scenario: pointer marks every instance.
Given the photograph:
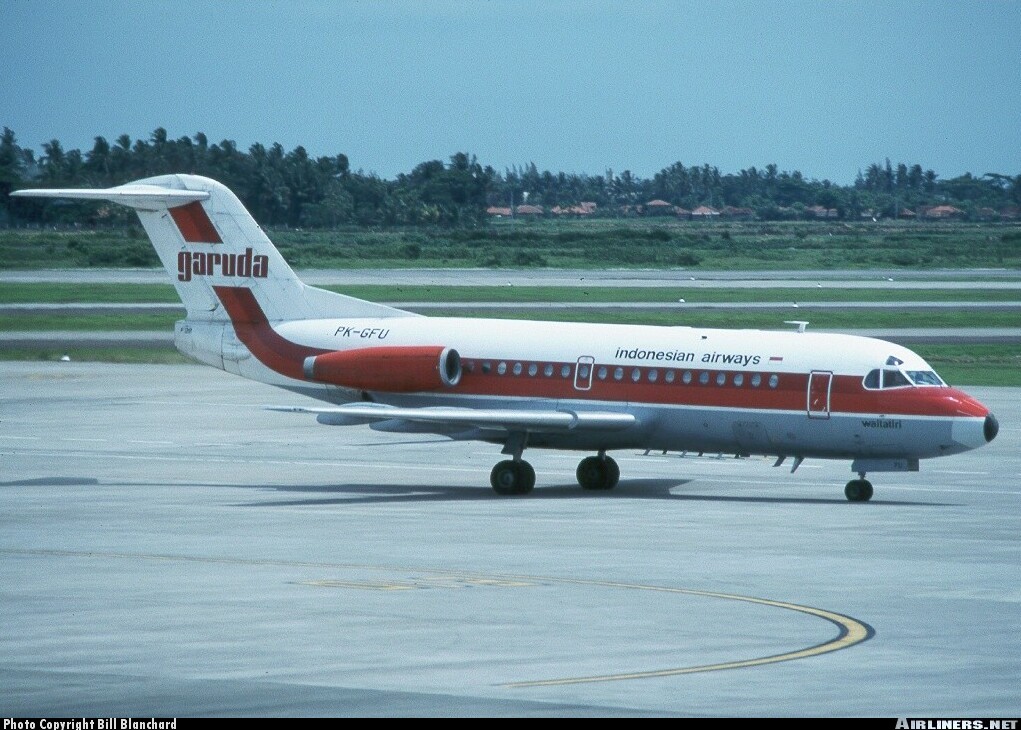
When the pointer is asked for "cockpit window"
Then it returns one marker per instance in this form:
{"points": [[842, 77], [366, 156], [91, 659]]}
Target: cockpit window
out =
{"points": [[889, 378], [925, 377], [894, 379]]}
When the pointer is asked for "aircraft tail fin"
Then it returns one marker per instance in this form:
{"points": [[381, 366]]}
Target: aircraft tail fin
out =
{"points": [[206, 240]]}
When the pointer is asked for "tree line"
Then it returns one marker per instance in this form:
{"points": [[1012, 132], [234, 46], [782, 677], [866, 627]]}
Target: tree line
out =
{"points": [[293, 189]]}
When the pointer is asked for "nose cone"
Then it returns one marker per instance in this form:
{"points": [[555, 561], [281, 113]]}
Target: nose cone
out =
{"points": [[991, 427]]}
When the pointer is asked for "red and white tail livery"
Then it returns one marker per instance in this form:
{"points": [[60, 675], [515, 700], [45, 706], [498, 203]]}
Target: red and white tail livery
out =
{"points": [[585, 387]]}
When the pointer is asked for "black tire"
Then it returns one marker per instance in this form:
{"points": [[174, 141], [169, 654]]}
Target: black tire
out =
{"points": [[527, 476], [858, 490], [598, 474], [613, 473], [504, 477], [512, 477]]}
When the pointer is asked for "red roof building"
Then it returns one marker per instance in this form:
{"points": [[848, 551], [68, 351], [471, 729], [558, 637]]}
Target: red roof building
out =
{"points": [[704, 211], [659, 207], [944, 211]]}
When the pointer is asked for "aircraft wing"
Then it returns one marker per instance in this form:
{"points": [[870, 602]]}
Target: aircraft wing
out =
{"points": [[496, 418]]}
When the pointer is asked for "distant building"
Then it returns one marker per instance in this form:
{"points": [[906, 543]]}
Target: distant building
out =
{"points": [[704, 212], [498, 212], [907, 214], [943, 212], [819, 211], [659, 207], [1010, 213], [737, 214], [529, 210], [580, 210]]}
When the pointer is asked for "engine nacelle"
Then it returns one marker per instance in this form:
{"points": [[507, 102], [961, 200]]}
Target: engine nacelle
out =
{"points": [[388, 369]]}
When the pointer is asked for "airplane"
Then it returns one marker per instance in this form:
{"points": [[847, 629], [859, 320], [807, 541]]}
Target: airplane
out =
{"points": [[539, 385]]}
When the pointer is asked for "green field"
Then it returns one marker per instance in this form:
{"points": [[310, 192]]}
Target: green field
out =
{"points": [[575, 244], [45, 293], [975, 364], [769, 319]]}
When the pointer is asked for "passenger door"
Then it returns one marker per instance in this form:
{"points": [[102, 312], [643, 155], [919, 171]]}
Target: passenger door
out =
{"points": [[819, 384]]}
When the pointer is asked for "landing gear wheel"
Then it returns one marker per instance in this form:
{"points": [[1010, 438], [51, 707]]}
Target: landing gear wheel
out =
{"points": [[512, 477], [858, 490], [596, 472]]}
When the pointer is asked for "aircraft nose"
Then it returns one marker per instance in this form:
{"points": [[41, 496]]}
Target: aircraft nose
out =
{"points": [[991, 427]]}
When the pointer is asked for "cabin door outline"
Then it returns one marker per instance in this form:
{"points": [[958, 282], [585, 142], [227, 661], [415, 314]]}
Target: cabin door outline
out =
{"points": [[820, 384], [583, 372]]}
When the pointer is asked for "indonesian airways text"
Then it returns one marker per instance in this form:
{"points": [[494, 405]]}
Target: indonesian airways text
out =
{"points": [[680, 356]]}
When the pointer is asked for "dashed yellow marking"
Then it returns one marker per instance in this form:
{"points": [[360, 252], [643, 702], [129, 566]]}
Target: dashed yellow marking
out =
{"points": [[851, 632], [359, 584]]}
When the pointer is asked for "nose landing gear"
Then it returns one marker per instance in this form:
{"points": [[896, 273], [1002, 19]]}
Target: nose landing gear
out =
{"points": [[858, 490]]}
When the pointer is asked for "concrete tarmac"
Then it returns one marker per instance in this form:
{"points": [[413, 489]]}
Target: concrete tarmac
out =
{"points": [[167, 547]]}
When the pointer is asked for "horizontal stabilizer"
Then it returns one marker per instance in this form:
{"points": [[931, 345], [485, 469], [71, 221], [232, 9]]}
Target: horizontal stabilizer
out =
{"points": [[139, 197], [507, 420], [222, 263]]}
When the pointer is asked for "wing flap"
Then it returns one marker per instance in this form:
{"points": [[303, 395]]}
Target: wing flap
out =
{"points": [[506, 420]]}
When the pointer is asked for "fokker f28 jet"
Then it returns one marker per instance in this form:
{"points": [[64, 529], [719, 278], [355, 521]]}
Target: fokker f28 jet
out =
{"points": [[584, 387]]}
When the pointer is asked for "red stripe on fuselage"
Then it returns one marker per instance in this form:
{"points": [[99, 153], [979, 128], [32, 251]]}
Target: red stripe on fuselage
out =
{"points": [[254, 331], [194, 224], [847, 393]]}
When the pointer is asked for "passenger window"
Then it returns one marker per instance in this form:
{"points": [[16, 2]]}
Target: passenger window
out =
{"points": [[533, 369], [774, 380], [517, 368], [486, 367], [601, 373], [739, 379], [703, 378], [669, 377], [548, 370], [653, 375], [582, 372], [501, 368], [618, 374], [686, 378], [756, 380], [565, 371], [721, 378], [872, 380], [636, 375]]}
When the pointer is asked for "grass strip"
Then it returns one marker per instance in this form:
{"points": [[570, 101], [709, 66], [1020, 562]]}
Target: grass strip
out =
{"points": [[66, 293]]}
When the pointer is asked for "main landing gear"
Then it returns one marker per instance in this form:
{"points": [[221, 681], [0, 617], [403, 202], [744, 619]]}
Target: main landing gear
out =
{"points": [[858, 490], [512, 476], [516, 476], [598, 472]]}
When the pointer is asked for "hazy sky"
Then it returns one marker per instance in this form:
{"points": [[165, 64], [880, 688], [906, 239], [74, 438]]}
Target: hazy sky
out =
{"points": [[825, 87]]}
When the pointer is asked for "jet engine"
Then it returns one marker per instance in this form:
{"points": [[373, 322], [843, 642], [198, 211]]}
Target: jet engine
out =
{"points": [[388, 369]]}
